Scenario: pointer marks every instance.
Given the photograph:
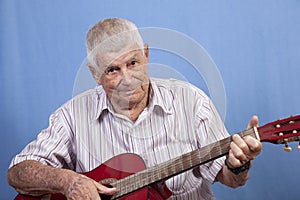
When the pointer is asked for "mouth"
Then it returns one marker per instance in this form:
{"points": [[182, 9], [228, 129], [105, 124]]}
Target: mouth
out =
{"points": [[128, 92]]}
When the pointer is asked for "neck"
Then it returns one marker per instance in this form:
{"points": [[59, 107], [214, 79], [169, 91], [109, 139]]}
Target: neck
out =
{"points": [[132, 111]]}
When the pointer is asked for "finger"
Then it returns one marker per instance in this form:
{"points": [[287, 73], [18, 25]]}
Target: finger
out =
{"points": [[232, 161], [254, 145], [242, 145], [253, 122], [238, 153], [88, 189], [105, 190]]}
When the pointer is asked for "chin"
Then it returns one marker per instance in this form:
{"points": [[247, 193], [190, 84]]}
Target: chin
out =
{"points": [[131, 101]]}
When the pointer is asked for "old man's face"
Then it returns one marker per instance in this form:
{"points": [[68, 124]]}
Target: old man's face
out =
{"points": [[125, 76]]}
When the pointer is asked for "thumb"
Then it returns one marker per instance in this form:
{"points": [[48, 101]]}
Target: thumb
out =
{"points": [[105, 190], [253, 122]]}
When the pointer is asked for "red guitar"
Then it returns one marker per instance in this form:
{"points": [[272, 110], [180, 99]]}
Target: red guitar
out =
{"points": [[128, 173]]}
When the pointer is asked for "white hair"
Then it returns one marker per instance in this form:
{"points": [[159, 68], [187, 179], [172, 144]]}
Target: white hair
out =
{"points": [[111, 35]]}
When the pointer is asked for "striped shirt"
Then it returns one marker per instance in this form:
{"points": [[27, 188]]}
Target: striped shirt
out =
{"points": [[85, 132]]}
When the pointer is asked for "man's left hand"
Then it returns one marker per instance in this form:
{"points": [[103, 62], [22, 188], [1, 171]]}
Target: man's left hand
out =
{"points": [[244, 149]]}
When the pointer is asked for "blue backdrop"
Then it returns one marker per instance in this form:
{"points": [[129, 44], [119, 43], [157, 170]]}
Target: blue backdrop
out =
{"points": [[254, 44]]}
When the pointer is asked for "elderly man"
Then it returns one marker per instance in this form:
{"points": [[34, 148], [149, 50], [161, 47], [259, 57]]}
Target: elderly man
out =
{"points": [[128, 112]]}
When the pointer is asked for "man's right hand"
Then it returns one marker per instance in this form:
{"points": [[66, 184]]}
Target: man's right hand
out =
{"points": [[82, 187], [33, 178]]}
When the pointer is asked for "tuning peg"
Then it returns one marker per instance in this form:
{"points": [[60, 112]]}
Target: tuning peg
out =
{"points": [[277, 125], [286, 147], [289, 149]]}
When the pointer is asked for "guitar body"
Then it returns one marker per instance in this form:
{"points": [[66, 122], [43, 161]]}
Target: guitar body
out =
{"points": [[114, 169], [127, 172]]}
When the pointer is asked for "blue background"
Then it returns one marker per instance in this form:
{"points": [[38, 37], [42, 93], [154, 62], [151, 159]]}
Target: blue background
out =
{"points": [[255, 45]]}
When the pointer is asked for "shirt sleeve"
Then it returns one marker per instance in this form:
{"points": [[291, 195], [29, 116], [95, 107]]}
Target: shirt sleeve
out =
{"points": [[210, 129], [53, 145]]}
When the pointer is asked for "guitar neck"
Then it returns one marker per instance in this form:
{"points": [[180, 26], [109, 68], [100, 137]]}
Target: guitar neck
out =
{"points": [[281, 131], [177, 165]]}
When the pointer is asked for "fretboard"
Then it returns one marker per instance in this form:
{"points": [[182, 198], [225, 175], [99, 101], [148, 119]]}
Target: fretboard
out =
{"points": [[176, 166]]}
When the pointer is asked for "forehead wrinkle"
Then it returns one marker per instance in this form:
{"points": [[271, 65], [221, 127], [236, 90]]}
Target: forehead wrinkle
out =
{"points": [[115, 55]]}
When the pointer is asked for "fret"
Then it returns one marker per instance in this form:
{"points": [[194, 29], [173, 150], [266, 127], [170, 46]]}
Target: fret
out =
{"points": [[176, 165], [191, 160], [277, 132]]}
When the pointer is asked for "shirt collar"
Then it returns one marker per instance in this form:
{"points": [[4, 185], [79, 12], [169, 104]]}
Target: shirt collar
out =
{"points": [[102, 102], [156, 100]]}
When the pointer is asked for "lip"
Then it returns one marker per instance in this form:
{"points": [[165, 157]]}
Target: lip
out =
{"points": [[128, 92]]}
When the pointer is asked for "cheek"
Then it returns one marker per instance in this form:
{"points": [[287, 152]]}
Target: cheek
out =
{"points": [[145, 77], [141, 74], [109, 82]]}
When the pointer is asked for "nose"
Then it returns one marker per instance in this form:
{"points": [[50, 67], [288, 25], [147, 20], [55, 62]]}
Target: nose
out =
{"points": [[126, 76]]}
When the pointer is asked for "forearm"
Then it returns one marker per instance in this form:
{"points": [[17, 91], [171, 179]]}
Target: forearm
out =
{"points": [[34, 178], [226, 177]]}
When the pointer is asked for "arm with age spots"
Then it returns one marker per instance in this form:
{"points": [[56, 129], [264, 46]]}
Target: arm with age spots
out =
{"points": [[33, 178], [242, 150]]}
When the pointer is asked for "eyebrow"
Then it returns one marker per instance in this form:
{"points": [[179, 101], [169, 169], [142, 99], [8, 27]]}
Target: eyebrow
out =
{"points": [[132, 57]]}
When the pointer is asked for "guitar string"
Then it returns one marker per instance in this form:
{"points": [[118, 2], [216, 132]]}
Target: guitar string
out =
{"points": [[151, 175], [166, 170]]}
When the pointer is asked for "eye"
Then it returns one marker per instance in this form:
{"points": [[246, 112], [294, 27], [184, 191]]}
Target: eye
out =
{"points": [[133, 62], [111, 70]]}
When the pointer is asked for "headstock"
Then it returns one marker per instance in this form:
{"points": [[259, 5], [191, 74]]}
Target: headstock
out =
{"points": [[281, 131]]}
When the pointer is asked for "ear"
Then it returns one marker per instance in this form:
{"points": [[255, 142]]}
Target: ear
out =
{"points": [[146, 50], [95, 74]]}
